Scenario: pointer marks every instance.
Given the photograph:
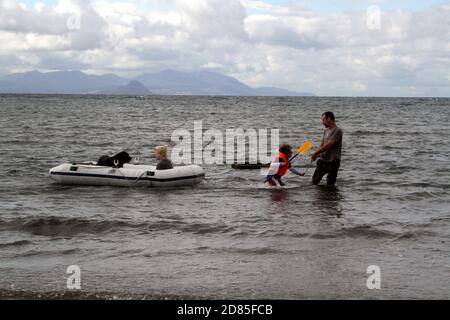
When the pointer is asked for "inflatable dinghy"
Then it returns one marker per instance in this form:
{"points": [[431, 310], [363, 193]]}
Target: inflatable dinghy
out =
{"points": [[129, 175]]}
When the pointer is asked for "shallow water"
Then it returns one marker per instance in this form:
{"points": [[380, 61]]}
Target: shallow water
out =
{"points": [[228, 237]]}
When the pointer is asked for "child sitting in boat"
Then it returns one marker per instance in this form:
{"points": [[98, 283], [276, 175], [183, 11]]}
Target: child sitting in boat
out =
{"points": [[161, 156], [280, 166]]}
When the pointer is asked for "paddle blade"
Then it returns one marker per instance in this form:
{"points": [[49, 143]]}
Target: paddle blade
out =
{"points": [[305, 147]]}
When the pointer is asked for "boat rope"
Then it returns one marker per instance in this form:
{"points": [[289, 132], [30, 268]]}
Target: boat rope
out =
{"points": [[133, 180]]}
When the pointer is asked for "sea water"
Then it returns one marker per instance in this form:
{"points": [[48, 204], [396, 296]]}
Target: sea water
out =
{"points": [[227, 237]]}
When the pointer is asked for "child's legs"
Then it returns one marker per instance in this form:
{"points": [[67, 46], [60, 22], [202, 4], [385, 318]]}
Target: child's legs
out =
{"points": [[275, 181]]}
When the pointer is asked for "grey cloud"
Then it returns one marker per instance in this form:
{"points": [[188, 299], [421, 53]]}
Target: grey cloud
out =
{"points": [[213, 19], [62, 61], [143, 28], [276, 33], [86, 33], [91, 33], [149, 53], [16, 19]]}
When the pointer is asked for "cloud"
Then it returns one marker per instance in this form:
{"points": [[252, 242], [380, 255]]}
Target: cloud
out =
{"points": [[262, 44], [16, 18], [62, 61], [71, 25], [408, 51]]}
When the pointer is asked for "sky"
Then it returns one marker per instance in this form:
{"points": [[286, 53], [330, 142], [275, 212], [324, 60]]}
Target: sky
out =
{"points": [[330, 48]]}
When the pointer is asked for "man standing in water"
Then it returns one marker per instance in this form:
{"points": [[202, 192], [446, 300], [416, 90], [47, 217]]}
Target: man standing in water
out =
{"points": [[329, 152]]}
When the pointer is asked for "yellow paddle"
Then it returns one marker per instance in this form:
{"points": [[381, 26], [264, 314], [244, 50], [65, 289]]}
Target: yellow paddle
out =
{"points": [[303, 148]]}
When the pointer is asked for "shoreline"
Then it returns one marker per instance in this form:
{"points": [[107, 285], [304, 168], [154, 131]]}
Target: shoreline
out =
{"points": [[92, 295]]}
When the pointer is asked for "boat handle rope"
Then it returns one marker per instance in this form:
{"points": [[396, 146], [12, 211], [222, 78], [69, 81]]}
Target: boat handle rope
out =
{"points": [[132, 180]]}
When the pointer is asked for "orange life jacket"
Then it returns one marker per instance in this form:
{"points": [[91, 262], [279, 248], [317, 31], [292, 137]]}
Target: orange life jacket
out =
{"points": [[283, 168]]}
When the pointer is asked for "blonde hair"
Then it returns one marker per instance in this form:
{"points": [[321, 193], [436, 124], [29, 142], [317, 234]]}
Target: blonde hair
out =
{"points": [[162, 150]]}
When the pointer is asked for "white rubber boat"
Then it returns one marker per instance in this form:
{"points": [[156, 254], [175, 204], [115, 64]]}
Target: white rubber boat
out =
{"points": [[127, 176]]}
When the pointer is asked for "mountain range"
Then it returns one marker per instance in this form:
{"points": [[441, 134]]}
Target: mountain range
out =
{"points": [[167, 82]]}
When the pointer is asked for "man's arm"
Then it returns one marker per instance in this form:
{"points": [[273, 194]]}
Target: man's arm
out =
{"points": [[321, 145], [322, 148]]}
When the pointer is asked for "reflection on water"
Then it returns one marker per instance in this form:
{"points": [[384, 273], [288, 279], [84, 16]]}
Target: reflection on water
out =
{"points": [[279, 195], [327, 199]]}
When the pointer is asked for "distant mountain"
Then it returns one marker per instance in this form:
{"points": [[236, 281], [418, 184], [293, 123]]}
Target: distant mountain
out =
{"points": [[59, 82], [17, 87], [270, 91], [206, 83], [133, 88], [167, 82], [194, 83]]}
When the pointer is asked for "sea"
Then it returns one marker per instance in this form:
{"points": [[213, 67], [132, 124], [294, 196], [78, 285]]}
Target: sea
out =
{"points": [[383, 232]]}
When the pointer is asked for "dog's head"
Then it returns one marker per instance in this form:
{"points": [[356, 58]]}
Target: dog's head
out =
{"points": [[122, 157]]}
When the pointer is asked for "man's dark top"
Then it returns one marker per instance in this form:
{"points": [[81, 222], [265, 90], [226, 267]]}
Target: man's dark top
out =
{"points": [[335, 152], [164, 165]]}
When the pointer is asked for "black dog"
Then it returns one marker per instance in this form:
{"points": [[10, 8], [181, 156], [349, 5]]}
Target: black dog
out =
{"points": [[121, 158]]}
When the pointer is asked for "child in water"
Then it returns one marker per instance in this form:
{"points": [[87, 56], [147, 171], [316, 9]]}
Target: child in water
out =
{"points": [[161, 156], [280, 166]]}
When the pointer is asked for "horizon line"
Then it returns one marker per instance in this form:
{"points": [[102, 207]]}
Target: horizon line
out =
{"points": [[222, 96]]}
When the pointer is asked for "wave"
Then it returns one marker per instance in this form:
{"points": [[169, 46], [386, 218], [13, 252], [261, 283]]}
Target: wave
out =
{"points": [[69, 227], [48, 253], [394, 169], [57, 226], [368, 133], [204, 228], [214, 251], [15, 243], [355, 232], [363, 231], [254, 251], [247, 251], [410, 235]]}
